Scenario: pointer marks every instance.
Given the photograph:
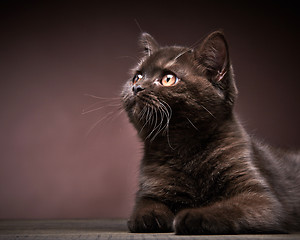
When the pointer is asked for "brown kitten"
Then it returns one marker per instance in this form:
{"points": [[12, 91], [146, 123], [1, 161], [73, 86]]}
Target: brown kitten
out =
{"points": [[201, 172]]}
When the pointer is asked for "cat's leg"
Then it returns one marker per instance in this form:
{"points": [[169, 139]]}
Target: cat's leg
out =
{"points": [[150, 216], [244, 213]]}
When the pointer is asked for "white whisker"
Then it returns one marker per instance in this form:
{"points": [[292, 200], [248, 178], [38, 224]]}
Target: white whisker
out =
{"points": [[181, 54], [102, 98], [155, 127], [134, 58], [142, 113], [207, 111], [85, 111], [147, 120], [168, 116], [103, 103], [159, 126], [192, 123], [99, 121]]}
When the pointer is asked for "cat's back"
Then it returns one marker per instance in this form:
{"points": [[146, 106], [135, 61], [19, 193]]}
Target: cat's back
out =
{"points": [[275, 163], [281, 171]]}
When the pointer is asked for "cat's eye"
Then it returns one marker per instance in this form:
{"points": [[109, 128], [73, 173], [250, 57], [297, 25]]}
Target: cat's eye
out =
{"points": [[169, 80], [137, 78]]}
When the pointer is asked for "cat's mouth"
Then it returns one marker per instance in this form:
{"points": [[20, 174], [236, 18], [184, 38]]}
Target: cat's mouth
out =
{"points": [[148, 111], [143, 101], [146, 100], [152, 115]]}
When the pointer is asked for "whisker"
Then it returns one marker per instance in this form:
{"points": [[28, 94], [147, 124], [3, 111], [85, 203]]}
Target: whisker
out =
{"points": [[151, 116], [190, 48], [114, 103], [207, 111], [99, 121], [147, 120], [168, 122], [168, 113], [155, 126], [85, 111], [142, 113], [157, 115], [181, 54], [103, 102], [159, 126], [138, 25], [162, 127], [165, 128], [102, 98], [192, 123], [116, 115], [155, 119], [131, 57]]}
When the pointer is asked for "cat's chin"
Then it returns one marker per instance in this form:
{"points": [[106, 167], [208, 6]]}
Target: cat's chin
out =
{"points": [[136, 115]]}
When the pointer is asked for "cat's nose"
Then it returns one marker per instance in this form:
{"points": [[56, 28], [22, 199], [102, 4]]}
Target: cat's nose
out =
{"points": [[136, 89]]}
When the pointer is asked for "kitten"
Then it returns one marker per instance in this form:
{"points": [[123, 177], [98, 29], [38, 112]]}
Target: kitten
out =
{"points": [[201, 172]]}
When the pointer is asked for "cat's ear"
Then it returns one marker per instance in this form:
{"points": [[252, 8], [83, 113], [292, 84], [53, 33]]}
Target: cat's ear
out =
{"points": [[213, 55], [148, 43]]}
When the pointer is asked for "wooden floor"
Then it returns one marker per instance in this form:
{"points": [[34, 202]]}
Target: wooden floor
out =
{"points": [[100, 229]]}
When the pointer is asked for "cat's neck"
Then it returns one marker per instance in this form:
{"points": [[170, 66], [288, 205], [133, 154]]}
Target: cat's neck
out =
{"points": [[187, 139]]}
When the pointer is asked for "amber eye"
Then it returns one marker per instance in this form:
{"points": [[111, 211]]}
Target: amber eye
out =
{"points": [[169, 80], [137, 78]]}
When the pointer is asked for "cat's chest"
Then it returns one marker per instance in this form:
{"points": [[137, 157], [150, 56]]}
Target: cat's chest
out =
{"points": [[173, 186]]}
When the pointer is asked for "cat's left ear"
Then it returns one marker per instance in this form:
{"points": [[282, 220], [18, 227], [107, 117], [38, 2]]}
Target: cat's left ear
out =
{"points": [[213, 55], [148, 43]]}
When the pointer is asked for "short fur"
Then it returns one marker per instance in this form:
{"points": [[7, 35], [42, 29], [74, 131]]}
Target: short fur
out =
{"points": [[201, 172]]}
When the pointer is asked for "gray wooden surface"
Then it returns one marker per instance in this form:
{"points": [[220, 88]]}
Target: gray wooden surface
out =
{"points": [[100, 229]]}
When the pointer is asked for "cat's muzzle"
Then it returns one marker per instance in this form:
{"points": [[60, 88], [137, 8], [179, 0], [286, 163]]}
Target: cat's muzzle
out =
{"points": [[136, 89]]}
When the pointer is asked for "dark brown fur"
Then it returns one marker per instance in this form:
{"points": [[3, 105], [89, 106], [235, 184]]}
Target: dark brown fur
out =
{"points": [[201, 172]]}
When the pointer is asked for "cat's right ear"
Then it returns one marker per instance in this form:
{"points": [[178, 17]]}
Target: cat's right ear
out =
{"points": [[213, 54], [148, 44]]}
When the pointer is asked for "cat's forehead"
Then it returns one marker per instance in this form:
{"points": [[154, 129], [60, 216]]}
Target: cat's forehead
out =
{"points": [[165, 58]]}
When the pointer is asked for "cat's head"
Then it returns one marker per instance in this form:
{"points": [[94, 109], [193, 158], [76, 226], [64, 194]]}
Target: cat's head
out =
{"points": [[180, 86]]}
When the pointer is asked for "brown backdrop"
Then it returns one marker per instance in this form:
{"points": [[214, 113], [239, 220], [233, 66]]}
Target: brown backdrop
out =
{"points": [[54, 53]]}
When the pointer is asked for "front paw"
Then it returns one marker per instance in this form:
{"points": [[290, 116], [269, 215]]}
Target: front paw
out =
{"points": [[187, 223], [148, 220], [196, 221]]}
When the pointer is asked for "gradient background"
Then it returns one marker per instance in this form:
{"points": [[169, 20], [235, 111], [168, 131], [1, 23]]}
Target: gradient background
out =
{"points": [[52, 53]]}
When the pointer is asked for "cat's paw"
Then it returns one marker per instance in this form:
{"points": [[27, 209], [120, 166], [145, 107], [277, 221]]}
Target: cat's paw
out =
{"points": [[196, 221], [148, 220], [187, 222]]}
